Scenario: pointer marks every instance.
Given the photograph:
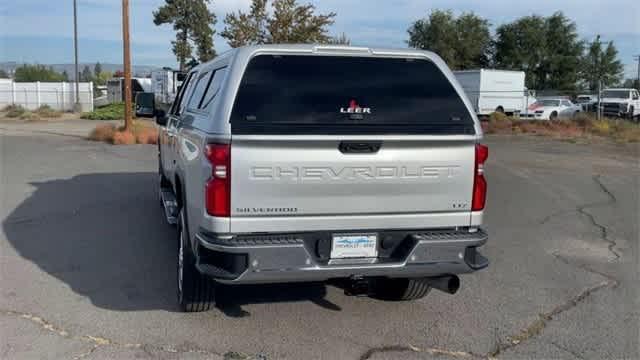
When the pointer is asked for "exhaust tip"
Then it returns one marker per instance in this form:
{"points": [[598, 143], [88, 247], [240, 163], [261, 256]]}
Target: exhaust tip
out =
{"points": [[453, 284], [449, 283]]}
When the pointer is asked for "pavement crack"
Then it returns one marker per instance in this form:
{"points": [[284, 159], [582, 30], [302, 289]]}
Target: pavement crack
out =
{"points": [[410, 348], [536, 327], [98, 341], [604, 233], [86, 353], [44, 324], [567, 350], [582, 209]]}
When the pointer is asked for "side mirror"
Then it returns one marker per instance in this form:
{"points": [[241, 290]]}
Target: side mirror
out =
{"points": [[145, 104], [161, 117]]}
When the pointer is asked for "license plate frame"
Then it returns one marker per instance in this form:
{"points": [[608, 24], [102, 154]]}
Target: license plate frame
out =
{"points": [[354, 245]]}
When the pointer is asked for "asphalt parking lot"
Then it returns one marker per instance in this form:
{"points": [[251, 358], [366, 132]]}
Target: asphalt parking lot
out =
{"points": [[87, 267]]}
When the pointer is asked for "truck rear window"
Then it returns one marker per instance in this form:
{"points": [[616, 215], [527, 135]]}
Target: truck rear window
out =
{"points": [[347, 95]]}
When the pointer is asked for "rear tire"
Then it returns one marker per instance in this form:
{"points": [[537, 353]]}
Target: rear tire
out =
{"points": [[553, 116], [196, 292], [400, 289]]}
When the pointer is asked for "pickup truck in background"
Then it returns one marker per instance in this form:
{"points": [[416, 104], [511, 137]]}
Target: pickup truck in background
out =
{"points": [[290, 163], [624, 103]]}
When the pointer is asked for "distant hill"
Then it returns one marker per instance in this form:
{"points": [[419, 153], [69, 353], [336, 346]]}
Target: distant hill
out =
{"points": [[138, 70]]}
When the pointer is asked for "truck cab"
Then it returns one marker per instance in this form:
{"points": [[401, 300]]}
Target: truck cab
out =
{"points": [[624, 103]]}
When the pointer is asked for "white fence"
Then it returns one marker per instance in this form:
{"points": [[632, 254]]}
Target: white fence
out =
{"points": [[58, 95]]}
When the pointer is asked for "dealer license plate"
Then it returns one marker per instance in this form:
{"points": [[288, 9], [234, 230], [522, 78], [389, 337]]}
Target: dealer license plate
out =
{"points": [[354, 246]]}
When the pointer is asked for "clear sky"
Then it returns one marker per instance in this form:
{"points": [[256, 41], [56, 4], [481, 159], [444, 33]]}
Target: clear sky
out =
{"points": [[41, 30]]}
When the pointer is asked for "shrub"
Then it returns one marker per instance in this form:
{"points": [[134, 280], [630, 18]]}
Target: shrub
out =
{"points": [[103, 133], [601, 127], [499, 117], [141, 133], [14, 111], [123, 138], [583, 126], [583, 119], [504, 125], [28, 115], [528, 127], [47, 112], [113, 111], [147, 135]]}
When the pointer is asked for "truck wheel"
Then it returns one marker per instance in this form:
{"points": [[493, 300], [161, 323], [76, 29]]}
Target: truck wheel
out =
{"points": [[500, 109], [400, 289], [196, 292], [553, 116]]}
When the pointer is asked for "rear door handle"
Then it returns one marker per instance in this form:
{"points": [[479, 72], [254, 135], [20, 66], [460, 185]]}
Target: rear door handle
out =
{"points": [[359, 147]]}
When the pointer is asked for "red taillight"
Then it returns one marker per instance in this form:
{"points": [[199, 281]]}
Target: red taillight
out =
{"points": [[218, 187], [479, 182]]}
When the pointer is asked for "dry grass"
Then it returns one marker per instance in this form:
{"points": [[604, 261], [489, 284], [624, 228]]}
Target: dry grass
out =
{"points": [[141, 133], [41, 113], [123, 138], [45, 111], [103, 133], [582, 127]]}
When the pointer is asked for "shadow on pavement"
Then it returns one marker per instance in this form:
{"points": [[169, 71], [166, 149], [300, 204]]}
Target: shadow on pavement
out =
{"points": [[105, 236]]}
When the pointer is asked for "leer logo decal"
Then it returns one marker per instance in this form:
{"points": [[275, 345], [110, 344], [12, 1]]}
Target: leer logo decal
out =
{"points": [[354, 108]]}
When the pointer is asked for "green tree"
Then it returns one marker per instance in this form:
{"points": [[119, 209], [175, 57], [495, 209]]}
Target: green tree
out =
{"points": [[463, 42], [601, 65], [563, 51], [247, 28], [29, 73], [97, 69], [547, 49], [341, 39], [3, 74], [193, 23], [102, 77], [86, 74], [631, 83], [288, 22]]}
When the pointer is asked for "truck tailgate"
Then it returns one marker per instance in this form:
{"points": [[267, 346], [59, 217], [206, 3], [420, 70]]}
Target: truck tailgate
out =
{"points": [[293, 183]]}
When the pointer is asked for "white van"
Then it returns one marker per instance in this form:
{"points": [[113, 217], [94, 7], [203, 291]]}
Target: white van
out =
{"points": [[495, 90]]}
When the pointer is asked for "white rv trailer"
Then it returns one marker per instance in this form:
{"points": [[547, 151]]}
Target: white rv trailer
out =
{"points": [[495, 90], [165, 83]]}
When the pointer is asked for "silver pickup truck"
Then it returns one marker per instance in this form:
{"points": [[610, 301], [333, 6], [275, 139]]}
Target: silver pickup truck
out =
{"points": [[285, 163]]}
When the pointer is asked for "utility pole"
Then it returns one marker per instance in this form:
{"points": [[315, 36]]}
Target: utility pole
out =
{"points": [[127, 66], [637, 58], [599, 113], [75, 47]]}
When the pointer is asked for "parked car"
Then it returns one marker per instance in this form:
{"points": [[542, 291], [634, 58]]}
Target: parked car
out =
{"points": [[587, 102], [552, 109], [369, 169], [491, 90], [620, 103]]}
